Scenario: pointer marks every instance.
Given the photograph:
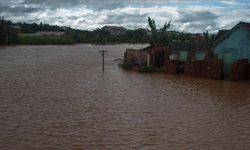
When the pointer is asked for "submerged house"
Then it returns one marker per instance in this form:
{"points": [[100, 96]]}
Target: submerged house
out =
{"points": [[158, 55], [233, 45], [136, 56], [151, 55]]}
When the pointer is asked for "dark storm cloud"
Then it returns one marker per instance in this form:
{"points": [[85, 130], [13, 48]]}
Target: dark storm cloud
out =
{"points": [[190, 16], [17, 9]]}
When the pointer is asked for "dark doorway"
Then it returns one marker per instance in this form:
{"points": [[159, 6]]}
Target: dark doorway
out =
{"points": [[160, 59]]}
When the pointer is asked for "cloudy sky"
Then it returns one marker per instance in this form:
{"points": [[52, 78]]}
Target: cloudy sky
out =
{"points": [[187, 15]]}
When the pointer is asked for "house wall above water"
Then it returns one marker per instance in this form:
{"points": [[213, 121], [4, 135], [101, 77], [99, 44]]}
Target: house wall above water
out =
{"points": [[189, 51], [237, 42], [136, 56]]}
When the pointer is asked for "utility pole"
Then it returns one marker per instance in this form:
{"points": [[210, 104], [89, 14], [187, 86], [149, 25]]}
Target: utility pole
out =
{"points": [[7, 40], [103, 52]]}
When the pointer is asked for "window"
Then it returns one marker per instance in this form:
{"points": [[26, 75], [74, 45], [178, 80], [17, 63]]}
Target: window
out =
{"points": [[199, 55], [183, 56], [173, 57]]}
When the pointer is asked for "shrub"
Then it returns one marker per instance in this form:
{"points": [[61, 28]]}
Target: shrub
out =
{"points": [[127, 65], [148, 69]]}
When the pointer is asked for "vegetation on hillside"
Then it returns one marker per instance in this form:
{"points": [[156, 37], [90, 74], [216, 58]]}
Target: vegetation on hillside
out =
{"points": [[33, 27], [210, 38], [98, 36]]}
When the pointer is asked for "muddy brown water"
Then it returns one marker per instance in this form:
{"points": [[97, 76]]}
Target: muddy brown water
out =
{"points": [[56, 97]]}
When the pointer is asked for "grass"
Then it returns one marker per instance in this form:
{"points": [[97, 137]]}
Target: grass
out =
{"points": [[29, 39]]}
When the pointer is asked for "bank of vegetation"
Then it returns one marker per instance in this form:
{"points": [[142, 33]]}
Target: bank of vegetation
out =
{"points": [[9, 36]]}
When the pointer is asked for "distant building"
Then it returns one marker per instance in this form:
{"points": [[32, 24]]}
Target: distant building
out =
{"points": [[147, 31], [115, 30], [50, 33], [16, 28], [233, 45]]}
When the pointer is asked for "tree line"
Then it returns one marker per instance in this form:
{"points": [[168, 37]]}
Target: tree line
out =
{"points": [[98, 36], [7, 34]]}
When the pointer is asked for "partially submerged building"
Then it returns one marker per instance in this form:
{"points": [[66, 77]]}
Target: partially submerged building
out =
{"points": [[156, 55], [183, 54], [151, 55], [136, 56], [227, 58], [233, 45], [187, 51]]}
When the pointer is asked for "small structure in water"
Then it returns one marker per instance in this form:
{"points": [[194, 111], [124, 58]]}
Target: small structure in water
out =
{"points": [[151, 55], [135, 56]]}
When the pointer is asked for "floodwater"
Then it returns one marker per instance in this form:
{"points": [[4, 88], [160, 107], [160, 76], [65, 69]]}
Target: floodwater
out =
{"points": [[56, 97]]}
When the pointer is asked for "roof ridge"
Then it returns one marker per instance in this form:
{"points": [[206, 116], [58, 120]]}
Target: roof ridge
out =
{"points": [[241, 24]]}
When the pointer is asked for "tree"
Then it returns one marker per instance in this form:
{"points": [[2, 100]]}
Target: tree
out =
{"points": [[210, 38], [158, 37], [7, 34]]}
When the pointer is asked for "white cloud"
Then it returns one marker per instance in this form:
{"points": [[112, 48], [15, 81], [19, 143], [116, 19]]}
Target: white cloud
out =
{"points": [[229, 2], [191, 18]]}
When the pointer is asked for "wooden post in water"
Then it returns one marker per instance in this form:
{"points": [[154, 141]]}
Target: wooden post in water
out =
{"points": [[103, 52]]}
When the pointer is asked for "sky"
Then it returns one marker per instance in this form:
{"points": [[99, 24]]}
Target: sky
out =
{"points": [[186, 15]]}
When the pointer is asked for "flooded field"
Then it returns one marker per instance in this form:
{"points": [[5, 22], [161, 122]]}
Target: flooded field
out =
{"points": [[56, 97]]}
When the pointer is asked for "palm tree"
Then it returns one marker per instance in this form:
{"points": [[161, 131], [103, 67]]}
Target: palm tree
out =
{"points": [[158, 37], [210, 38]]}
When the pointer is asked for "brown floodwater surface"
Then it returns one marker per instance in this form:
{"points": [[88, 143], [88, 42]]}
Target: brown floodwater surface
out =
{"points": [[56, 97]]}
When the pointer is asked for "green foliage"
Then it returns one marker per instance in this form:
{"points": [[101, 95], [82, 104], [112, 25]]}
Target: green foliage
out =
{"points": [[158, 37], [7, 34], [33, 27], [209, 37], [99, 36], [148, 69], [127, 65], [182, 36], [43, 40]]}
